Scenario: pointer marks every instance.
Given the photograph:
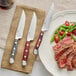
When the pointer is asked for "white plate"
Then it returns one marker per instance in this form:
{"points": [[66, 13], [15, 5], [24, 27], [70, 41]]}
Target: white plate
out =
{"points": [[46, 51]]}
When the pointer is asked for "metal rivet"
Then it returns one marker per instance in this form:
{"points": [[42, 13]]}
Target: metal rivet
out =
{"points": [[41, 34], [26, 50], [27, 44], [24, 56], [14, 48], [37, 45], [12, 53], [39, 40], [15, 42]]}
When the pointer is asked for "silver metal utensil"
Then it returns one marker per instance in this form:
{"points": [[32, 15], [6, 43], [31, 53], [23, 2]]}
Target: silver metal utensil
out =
{"points": [[19, 34], [30, 37], [45, 27]]}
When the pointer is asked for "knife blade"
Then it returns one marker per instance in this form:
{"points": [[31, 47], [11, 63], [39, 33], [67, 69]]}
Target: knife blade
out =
{"points": [[30, 37], [19, 34], [45, 27]]}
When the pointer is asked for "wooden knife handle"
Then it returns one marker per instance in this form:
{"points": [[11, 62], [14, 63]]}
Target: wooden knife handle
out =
{"points": [[13, 53], [25, 54], [38, 43]]}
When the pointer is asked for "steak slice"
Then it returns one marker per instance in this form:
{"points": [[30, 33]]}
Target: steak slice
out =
{"points": [[63, 42], [74, 62], [62, 46], [62, 50], [69, 61], [63, 59], [74, 59], [74, 46]]}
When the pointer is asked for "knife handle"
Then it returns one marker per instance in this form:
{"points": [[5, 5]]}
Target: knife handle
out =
{"points": [[38, 43], [13, 51], [25, 54]]}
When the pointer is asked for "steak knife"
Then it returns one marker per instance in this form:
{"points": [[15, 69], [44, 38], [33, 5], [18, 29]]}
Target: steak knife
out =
{"points": [[30, 37], [45, 27], [19, 34]]}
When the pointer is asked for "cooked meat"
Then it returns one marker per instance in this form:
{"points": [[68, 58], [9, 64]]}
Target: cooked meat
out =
{"points": [[74, 62], [62, 46], [63, 42], [69, 61], [68, 40], [74, 58], [74, 46], [63, 59], [65, 53], [62, 50]]}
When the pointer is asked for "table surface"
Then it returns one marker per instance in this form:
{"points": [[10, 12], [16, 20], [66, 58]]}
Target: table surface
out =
{"points": [[38, 69]]}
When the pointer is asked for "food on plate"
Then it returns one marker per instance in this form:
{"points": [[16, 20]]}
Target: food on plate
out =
{"points": [[74, 62], [64, 30], [65, 48], [62, 46]]}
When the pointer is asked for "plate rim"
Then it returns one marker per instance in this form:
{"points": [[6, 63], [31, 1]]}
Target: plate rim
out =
{"points": [[62, 13], [54, 17]]}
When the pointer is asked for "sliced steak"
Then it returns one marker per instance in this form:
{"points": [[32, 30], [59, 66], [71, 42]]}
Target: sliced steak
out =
{"points": [[63, 59], [69, 61], [74, 46], [74, 58], [68, 40], [63, 42], [74, 62], [62, 46], [62, 50]]}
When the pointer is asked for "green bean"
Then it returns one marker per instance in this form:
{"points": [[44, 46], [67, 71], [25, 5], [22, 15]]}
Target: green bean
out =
{"points": [[66, 27], [64, 34], [52, 39], [74, 37], [73, 28], [57, 30], [62, 29], [74, 25]]}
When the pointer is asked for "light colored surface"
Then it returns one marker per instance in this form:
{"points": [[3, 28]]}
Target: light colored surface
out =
{"points": [[6, 18], [38, 69], [21, 25], [46, 52], [48, 18], [32, 28]]}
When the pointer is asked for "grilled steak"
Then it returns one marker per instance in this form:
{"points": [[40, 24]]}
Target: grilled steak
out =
{"points": [[65, 53], [74, 62], [62, 46], [63, 42], [62, 50], [74, 58], [69, 61], [63, 59]]}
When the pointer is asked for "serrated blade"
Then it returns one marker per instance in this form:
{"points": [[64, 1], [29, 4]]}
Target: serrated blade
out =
{"points": [[21, 25], [32, 28], [48, 18]]}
